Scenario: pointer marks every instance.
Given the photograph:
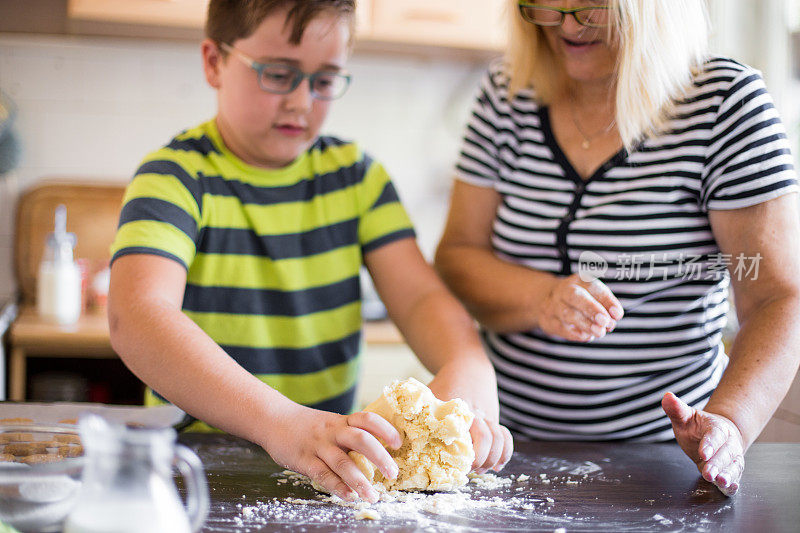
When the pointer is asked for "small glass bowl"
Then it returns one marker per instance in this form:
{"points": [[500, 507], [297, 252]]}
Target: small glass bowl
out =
{"points": [[40, 474]]}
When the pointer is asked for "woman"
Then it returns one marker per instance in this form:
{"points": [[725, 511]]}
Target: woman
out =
{"points": [[610, 138]]}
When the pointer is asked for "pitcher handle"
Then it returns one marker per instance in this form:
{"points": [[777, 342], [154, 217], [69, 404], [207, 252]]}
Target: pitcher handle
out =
{"points": [[192, 471]]}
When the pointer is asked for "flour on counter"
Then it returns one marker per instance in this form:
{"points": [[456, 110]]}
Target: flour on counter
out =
{"points": [[662, 520], [489, 481], [367, 514], [420, 508]]}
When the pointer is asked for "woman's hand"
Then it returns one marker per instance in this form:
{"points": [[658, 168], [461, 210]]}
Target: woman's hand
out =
{"points": [[315, 443], [579, 310], [712, 441]]}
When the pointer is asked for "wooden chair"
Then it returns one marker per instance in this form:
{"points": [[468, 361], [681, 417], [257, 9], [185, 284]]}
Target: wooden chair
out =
{"points": [[92, 215]]}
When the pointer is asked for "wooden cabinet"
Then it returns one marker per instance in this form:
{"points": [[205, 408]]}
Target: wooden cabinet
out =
{"points": [[179, 13], [364, 18], [167, 19], [469, 25]]}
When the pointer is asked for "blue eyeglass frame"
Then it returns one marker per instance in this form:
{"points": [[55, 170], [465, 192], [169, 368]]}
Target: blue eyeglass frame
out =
{"points": [[260, 67]]}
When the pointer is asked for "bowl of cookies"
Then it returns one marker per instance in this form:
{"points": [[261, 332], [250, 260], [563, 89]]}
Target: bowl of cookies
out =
{"points": [[40, 473]]}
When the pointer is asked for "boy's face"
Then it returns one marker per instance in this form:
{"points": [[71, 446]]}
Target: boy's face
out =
{"points": [[272, 130]]}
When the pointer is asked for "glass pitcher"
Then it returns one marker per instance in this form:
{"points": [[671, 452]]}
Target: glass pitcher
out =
{"points": [[127, 482]]}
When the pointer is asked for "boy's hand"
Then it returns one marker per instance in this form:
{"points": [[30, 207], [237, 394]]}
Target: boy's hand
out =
{"points": [[492, 442], [315, 443]]}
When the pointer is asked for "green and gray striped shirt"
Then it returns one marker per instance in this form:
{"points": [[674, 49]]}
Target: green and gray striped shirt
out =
{"points": [[272, 256]]}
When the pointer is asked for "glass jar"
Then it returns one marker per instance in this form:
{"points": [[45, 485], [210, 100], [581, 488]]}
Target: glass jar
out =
{"points": [[128, 485]]}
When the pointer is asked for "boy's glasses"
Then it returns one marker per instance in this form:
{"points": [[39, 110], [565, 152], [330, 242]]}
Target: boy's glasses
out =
{"points": [[280, 78], [591, 16]]}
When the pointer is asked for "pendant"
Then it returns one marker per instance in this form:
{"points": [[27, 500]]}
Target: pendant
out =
{"points": [[585, 145]]}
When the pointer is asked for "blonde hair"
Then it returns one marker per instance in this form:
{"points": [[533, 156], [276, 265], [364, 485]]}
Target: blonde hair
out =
{"points": [[661, 44]]}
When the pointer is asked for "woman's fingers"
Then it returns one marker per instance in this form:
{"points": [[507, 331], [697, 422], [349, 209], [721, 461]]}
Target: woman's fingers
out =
{"points": [[599, 309], [360, 441], [717, 468], [731, 475], [711, 442], [606, 298], [557, 328], [678, 411], [581, 299], [711, 468], [344, 468], [572, 316], [722, 452], [579, 310]]}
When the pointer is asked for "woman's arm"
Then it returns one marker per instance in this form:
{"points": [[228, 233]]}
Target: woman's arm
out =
{"points": [[505, 297], [444, 337], [764, 356], [169, 352]]}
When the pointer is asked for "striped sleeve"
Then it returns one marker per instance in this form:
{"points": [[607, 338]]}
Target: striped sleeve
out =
{"points": [[384, 219], [477, 163], [161, 212], [749, 160]]}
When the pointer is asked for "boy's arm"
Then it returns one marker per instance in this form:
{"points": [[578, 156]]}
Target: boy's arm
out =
{"points": [[444, 337], [169, 352]]}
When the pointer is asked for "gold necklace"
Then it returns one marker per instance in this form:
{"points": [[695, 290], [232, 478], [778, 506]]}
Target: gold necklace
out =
{"points": [[587, 139]]}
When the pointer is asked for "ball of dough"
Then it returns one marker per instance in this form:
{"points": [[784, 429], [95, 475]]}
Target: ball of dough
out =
{"points": [[436, 453]]}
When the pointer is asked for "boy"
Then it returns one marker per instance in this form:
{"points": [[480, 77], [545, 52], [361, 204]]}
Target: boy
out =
{"points": [[234, 280]]}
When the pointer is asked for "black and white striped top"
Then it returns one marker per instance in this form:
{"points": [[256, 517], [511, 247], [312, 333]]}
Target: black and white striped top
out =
{"points": [[644, 216]]}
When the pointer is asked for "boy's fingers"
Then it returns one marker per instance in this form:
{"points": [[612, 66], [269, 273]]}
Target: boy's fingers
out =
{"points": [[367, 445], [481, 441], [508, 447], [329, 481], [496, 448], [378, 426], [343, 466]]}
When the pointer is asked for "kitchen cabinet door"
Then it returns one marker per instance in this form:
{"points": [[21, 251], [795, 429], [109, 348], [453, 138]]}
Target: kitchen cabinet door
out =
{"points": [[173, 13], [129, 17], [469, 24], [363, 19]]}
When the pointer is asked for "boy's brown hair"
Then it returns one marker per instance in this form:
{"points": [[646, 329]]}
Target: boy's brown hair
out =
{"points": [[229, 20]]}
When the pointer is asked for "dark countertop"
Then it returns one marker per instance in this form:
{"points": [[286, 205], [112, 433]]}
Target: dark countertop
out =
{"points": [[594, 487]]}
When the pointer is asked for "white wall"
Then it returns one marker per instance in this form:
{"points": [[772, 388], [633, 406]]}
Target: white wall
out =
{"points": [[758, 33], [94, 107]]}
